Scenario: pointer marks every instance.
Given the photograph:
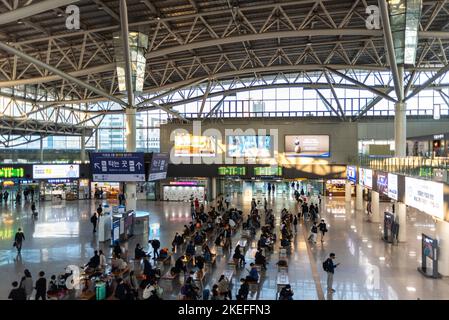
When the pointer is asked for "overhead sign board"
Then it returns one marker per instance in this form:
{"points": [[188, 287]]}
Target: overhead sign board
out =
{"points": [[159, 166], [118, 167]]}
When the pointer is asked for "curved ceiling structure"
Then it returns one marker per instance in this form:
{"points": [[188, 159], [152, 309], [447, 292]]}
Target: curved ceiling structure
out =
{"points": [[202, 43]]}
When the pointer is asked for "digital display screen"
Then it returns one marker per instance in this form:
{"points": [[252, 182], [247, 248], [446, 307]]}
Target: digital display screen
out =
{"points": [[56, 171], [366, 177], [232, 171], [187, 145], [424, 195], [268, 171], [382, 183], [393, 186], [249, 146], [427, 243], [351, 173], [12, 172], [309, 146]]}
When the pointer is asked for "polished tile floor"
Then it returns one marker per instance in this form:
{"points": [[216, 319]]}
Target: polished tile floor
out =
{"points": [[369, 268]]}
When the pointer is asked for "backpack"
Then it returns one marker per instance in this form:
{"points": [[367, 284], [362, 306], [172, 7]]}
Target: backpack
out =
{"points": [[326, 265], [92, 219]]}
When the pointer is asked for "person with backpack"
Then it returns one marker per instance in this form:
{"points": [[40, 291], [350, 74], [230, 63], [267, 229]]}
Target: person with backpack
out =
{"points": [[323, 229], [18, 240], [94, 220], [286, 293], [313, 233], [329, 267], [17, 293]]}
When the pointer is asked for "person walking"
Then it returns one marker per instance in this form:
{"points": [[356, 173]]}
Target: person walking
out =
{"points": [[18, 240], [368, 208], [323, 229], [41, 287], [155, 244], [329, 267], [99, 210], [313, 233], [224, 288], [33, 209], [27, 283], [227, 201], [295, 223], [94, 220]]}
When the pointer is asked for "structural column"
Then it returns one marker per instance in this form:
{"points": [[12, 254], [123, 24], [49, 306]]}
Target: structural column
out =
{"points": [[375, 207], [41, 150], [131, 134], [348, 191], [359, 197], [214, 189], [442, 232], [83, 148], [400, 129], [401, 213]]}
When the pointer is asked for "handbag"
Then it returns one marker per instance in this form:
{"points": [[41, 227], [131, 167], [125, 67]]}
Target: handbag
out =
{"points": [[14, 244]]}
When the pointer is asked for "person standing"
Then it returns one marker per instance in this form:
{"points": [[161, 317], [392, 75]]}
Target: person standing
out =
{"points": [[5, 196], [227, 201], [224, 288], [368, 208], [94, 220], [155, 244], [273, 188], [33, 209], [18, 240], [323, 229], [99, 210], [27, 283], [265, 204], [329, 267], [41, 287], [269, 188], [313, 233]]}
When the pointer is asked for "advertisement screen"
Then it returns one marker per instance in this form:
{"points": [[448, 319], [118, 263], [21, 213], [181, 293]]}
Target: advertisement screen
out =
{"points": [[382, 183], [249, 146], [351, 173], [56, 171], [307, 146], [427, 243], [268, 171], [366, 177], [426, 196], [392, 186], [232, 171], [187, 145]]}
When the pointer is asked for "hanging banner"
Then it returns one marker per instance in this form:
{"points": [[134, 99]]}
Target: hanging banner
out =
{"points": [[159, 166], [118, 167]]}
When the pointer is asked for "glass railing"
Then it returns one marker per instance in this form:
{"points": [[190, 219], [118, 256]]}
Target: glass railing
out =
{"points": [[427, 168]]}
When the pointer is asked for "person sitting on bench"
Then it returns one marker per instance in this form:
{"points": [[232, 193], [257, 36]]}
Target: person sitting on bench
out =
{"points": [[94, 262], [190, 250], [198, 239], [239, 256], [207, 254], [138, 252], [253, 274], [261, 259]]}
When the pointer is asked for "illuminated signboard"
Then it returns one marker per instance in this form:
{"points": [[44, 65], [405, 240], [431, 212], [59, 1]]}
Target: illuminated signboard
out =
{"points": [[427, 196], [250, 146], [12, 173], [366, 177], [307, 146], [268, 171], [351, 173], [187, 145], [56, 171], [232, 171]]}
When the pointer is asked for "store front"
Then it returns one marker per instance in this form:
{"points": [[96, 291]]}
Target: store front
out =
{"points": [[105, 190], [335, 187], [59, 181], [429, 146], [184, 189]]}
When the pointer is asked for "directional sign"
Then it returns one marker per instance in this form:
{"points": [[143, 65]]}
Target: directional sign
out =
{"points": [[159, 166], [118, 167]]}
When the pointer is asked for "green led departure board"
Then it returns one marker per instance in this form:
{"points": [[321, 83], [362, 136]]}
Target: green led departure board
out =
{"points": [[232, 171], [268, 171], [12, 173]]}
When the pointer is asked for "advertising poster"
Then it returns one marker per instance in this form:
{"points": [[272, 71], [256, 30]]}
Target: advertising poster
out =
{"points": [[427, 246], [366, 177], [56, 171], [309, 146], [382, 182], [351, 173], [392, 186], [426, 196], [249, 146], [187, 145]]}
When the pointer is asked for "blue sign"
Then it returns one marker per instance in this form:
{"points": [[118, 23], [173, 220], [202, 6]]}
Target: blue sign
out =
{"points": [[159, 166], [351, 173], [118, 167]]}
